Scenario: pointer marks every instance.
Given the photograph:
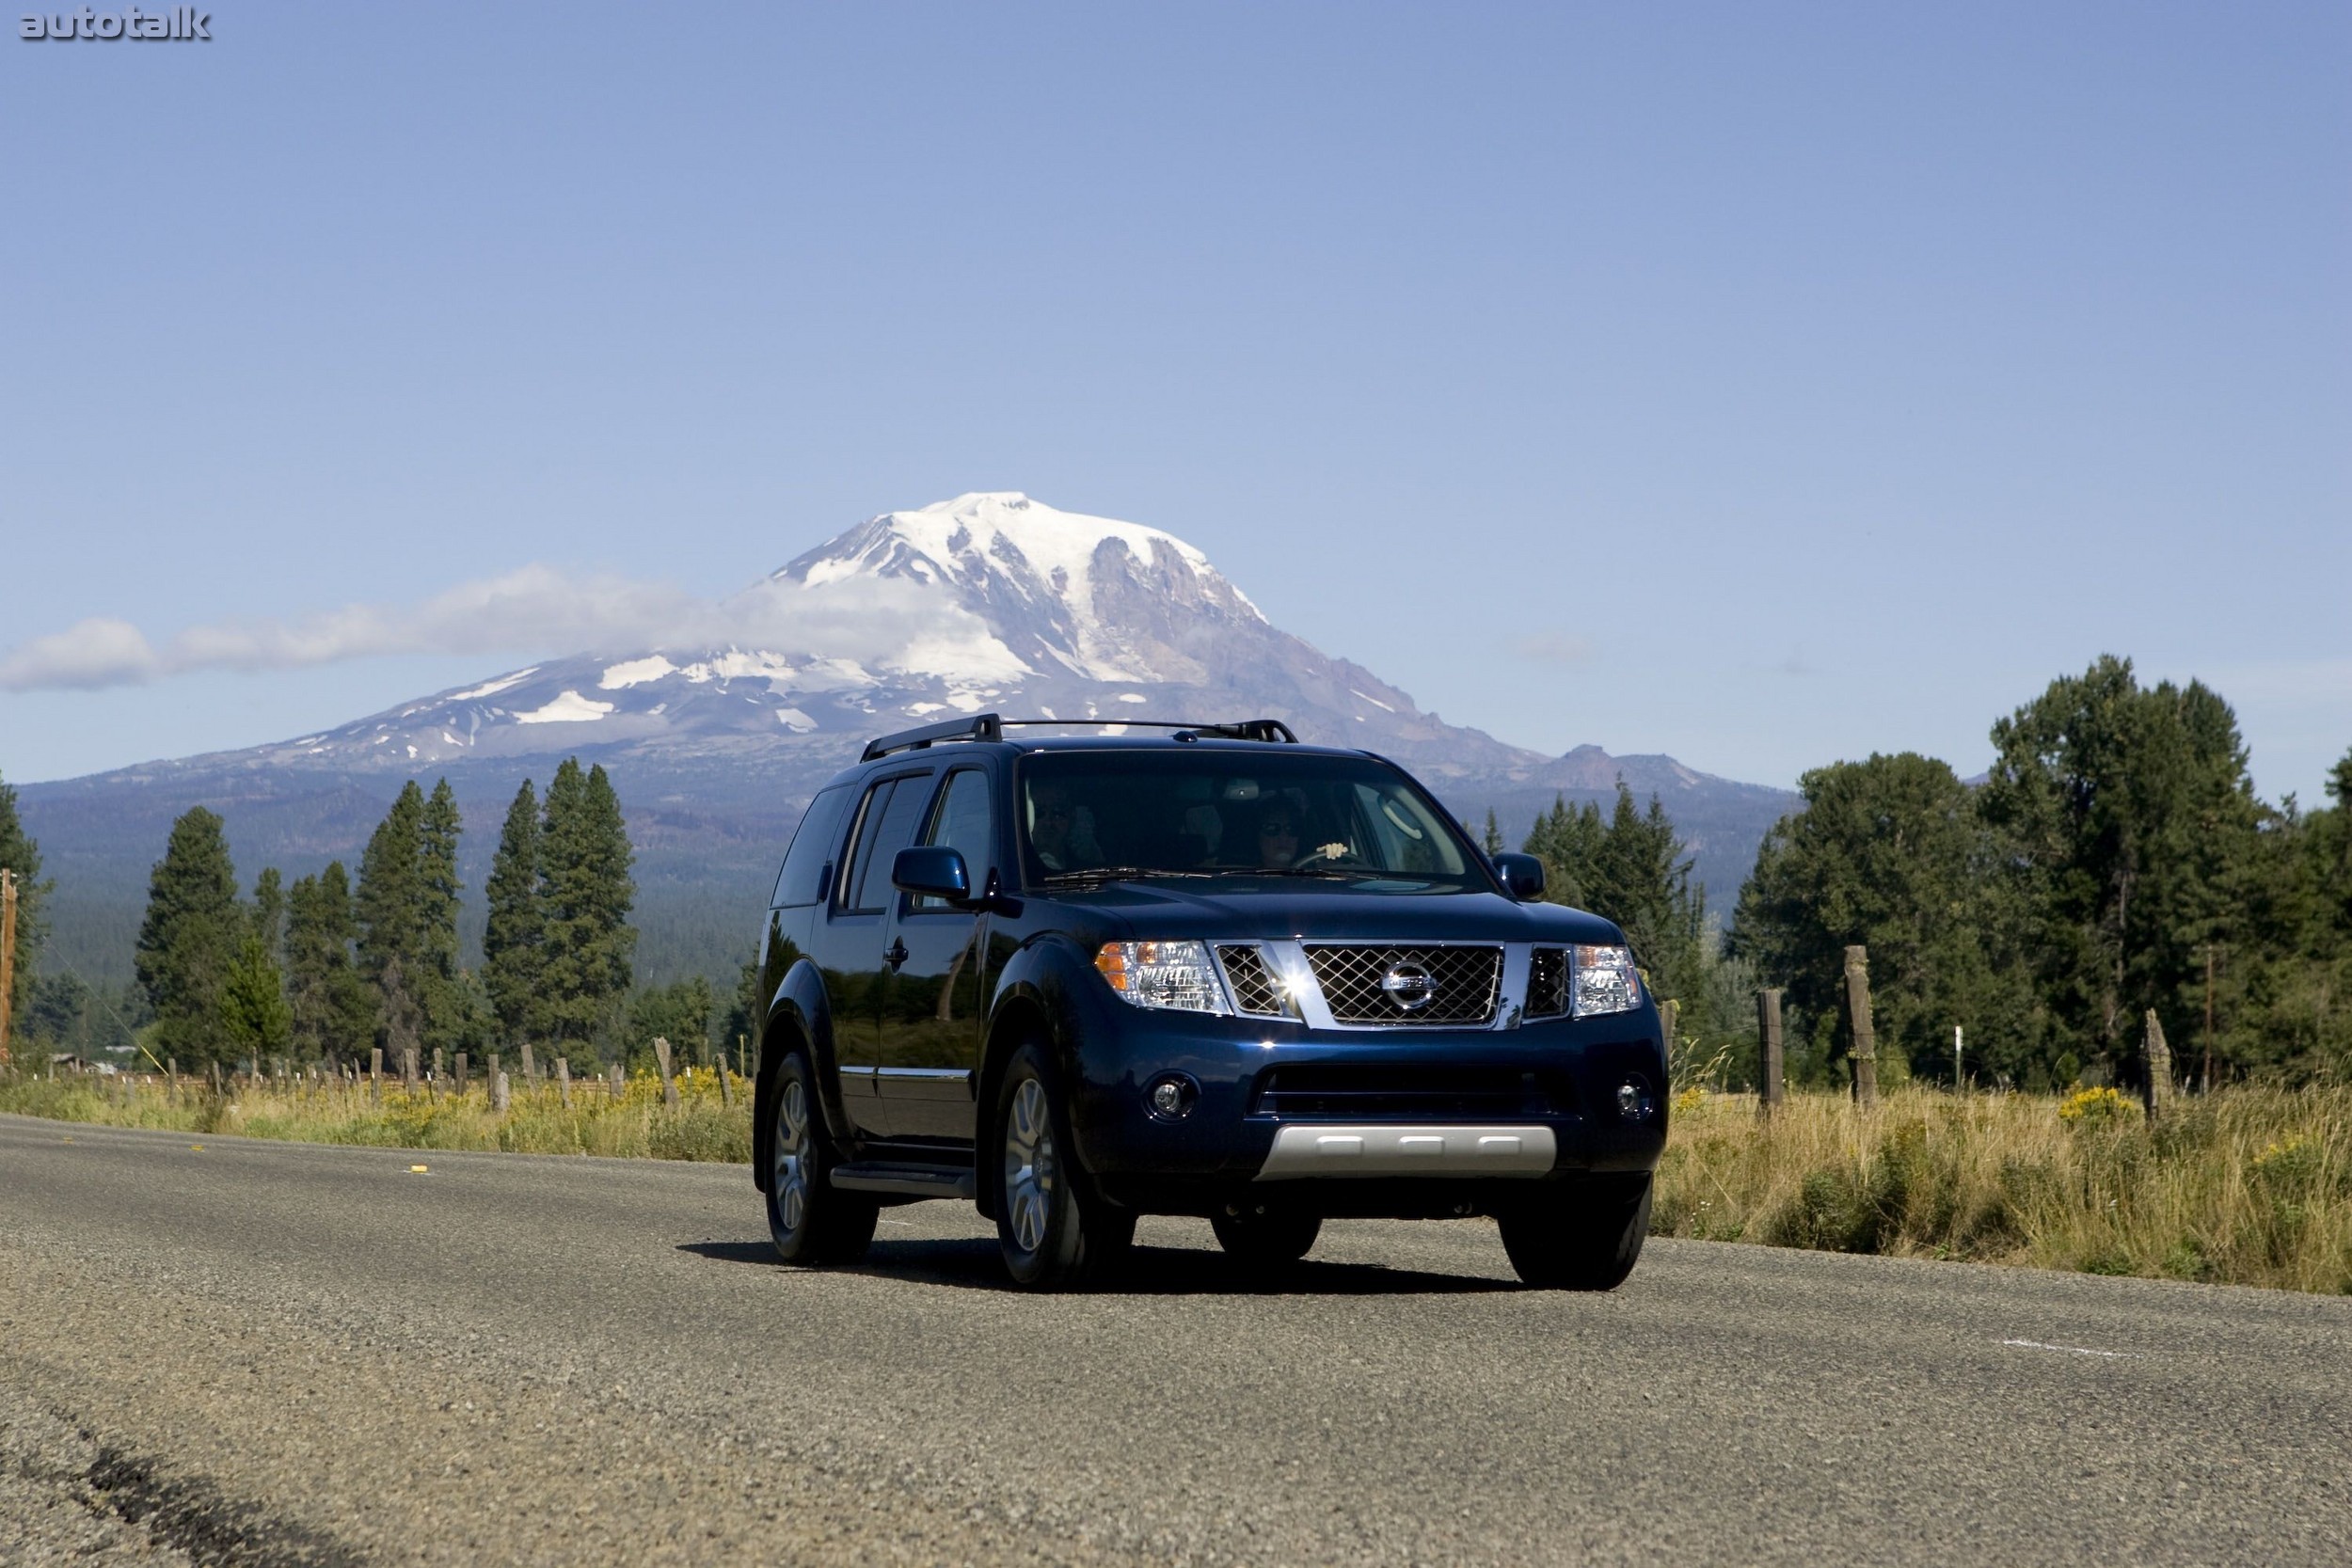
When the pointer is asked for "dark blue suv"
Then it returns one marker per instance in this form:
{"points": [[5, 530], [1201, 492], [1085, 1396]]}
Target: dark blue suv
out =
{"points": [[1188, 970]]}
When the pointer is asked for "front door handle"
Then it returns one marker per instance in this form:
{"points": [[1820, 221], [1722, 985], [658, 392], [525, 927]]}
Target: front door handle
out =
{"points": [[897, 956]]}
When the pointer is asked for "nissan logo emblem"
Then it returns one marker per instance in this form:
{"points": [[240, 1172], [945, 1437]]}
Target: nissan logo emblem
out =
{"points": [[1409, 986]]}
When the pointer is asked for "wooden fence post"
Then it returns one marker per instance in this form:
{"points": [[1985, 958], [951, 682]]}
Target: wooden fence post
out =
{"points": [[375, 1072], [619, 1082], [530, 1067], [171, 1078], [2160, 1090], [502, 1095], [564, 1082], [661, 1060], [490, 1081], [742, 1056], [727, 1090], [461, 1073], [1865, 1044], [409, 1068], [1768, 1090], [7, 957]]}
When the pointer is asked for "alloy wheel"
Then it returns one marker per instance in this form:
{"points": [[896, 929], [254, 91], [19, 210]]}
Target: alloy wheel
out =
{"points": [[1029, 1173], [792, 1155]]}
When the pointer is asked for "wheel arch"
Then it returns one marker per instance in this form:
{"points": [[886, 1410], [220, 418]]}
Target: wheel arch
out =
{"points": [[800, 1017]]}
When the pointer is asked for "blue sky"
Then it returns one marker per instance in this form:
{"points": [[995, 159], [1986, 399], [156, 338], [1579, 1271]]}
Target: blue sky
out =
{"points": [[1761, 384]]}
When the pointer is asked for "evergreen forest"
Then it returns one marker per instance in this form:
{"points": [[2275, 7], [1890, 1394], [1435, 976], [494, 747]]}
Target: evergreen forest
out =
{"points": [[2113, 862]]}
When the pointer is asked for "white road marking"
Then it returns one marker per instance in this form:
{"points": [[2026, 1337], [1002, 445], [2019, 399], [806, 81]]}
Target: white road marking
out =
{"points": [[2076, 1350]]}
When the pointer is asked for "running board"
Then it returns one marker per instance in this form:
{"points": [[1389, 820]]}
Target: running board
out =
{"points": [[906, 1180]]}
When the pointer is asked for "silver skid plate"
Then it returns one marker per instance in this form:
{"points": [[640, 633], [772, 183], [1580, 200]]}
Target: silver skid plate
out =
{"points": [[1386, 1148]]}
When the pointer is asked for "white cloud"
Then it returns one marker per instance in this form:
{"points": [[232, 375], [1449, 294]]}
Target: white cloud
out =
{"points": [[537, 609], [1549, 647]]}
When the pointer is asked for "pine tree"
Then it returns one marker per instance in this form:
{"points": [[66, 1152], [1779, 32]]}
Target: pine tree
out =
{"points": [[448, 1006], [190, 938], [333, 1013], [407, 908], [584, 865], [269, 910], [390, 902], [513, 953], [1491, 841], [21, 854], [255, 1019]]}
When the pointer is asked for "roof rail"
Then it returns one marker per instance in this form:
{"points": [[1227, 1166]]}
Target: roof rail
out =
{"points": [[1272, 731], [982, 726]]}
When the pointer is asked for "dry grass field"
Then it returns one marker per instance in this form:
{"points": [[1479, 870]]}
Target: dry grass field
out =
{"points": [[2248, 1186]]}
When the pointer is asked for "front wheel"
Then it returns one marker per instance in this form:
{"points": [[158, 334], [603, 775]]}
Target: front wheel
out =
{"points": [[1582, 1237], [1055, 1233], [810, 1220]]}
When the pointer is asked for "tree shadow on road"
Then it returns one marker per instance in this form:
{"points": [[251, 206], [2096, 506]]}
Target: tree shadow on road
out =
{"points": [[1152, 1271]]}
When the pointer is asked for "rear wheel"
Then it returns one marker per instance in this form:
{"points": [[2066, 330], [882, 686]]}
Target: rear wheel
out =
{"points": [[1057, 1233], [1266, 1238], [1582, 1237], [810, 1220]]}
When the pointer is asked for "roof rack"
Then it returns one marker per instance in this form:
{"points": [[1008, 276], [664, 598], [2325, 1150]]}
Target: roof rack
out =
{"points": [[1271, 731], [988, 726], [981, 726]]}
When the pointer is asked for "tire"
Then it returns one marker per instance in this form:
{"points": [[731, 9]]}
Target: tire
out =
{"points": [[1266, 1239], [1055, 1233], [809, 1219], [1586, 1237]]}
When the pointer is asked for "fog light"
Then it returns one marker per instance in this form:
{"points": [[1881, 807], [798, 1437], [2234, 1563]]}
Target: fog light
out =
{"points": [[1171, 1096], [1633, 1100]]}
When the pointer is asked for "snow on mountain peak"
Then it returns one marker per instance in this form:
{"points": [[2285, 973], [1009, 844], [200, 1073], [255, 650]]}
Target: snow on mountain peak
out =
{"points": [[1057, 590]]}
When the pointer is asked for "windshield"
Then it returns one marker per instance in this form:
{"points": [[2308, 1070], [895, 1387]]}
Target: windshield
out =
{"points": [[1097, 814]]}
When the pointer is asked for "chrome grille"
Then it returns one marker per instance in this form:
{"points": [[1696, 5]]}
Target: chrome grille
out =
{"points": [[1548, 982], [1461, 983], [1254, 991]]}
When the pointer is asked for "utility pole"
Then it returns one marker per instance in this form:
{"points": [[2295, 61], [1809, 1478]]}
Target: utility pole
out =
{"points": [[7, 957]]}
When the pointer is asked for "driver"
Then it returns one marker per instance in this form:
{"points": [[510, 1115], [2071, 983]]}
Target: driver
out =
{"points": [[1278, 836], [1062, 835]]}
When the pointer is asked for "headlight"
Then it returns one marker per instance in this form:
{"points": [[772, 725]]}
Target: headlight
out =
{"points": [[1605, 981], [1176, 975]]}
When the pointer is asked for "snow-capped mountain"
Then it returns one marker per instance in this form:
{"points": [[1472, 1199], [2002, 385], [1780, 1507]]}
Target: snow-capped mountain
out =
{"points": [[717, 742], [988, 601]]}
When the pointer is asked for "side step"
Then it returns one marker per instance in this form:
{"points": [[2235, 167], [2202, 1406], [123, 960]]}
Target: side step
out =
{"points": [[907, 1180]]}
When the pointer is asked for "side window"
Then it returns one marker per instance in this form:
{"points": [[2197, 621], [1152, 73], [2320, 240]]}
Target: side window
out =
{"points": [[885, 827], [802, 878], [962, 822]]}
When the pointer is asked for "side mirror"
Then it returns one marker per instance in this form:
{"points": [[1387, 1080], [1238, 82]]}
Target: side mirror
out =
{"points": [[1523, 874], [933, 870]]}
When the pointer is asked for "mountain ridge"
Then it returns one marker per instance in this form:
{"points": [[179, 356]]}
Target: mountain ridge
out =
{"points": [[988, 601]]}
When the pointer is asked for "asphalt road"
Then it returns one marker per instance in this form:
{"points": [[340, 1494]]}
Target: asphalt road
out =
{"points": [[256, 1353]]}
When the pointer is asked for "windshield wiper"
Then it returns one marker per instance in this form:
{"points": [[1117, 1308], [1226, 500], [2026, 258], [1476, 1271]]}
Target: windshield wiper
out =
{"points": [[1118, 873]]}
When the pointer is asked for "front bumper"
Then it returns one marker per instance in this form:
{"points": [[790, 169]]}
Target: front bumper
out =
{"points": [[1243, 1126]]}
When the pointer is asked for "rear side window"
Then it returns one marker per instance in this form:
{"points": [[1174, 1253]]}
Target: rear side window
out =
{"points": [[885, 827], [802, 878]]}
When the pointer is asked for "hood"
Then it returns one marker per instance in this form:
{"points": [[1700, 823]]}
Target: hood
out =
{"points": [[1245, 912]]}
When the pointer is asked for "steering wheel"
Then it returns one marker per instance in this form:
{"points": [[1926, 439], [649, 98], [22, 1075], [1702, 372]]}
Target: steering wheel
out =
{"points": [[1346, 860]]}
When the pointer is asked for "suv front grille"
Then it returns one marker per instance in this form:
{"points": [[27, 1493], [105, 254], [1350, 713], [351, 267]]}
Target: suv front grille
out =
{"points": [[1414, 986], [1548, 982], [1254, 991], [1363, 1093]]}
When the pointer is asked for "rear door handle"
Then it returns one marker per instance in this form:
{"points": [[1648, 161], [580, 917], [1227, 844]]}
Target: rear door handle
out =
{"points": [[897, 954]]}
